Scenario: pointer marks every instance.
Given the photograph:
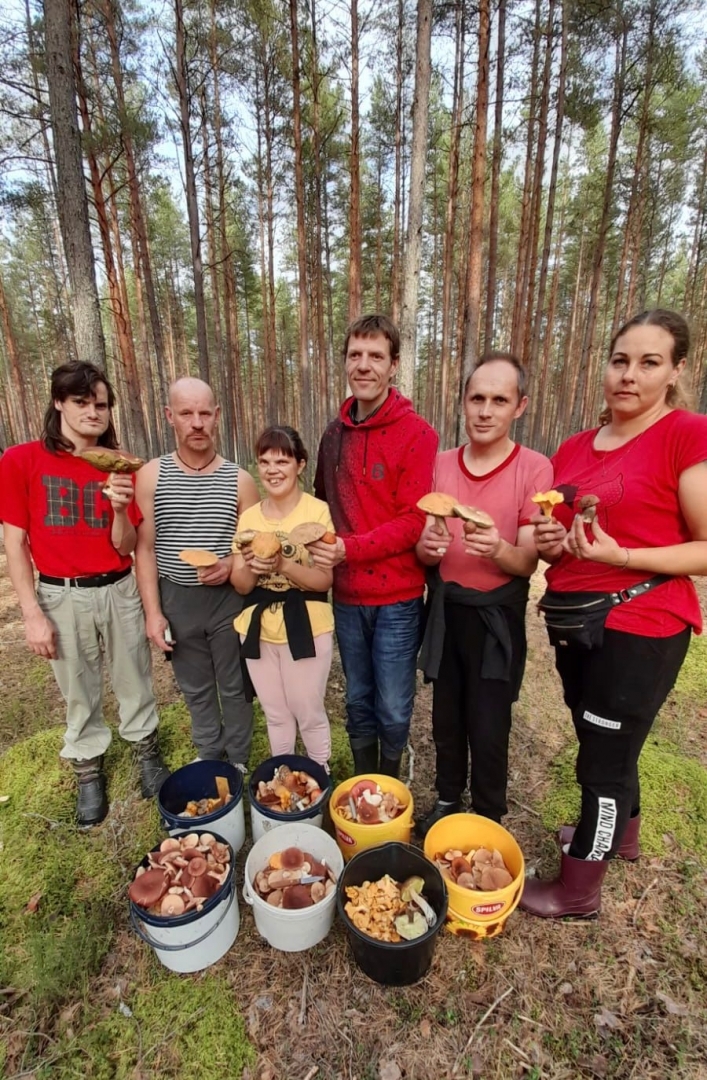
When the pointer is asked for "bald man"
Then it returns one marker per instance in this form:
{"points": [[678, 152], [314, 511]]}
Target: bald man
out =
{"points": [[192, 498]]}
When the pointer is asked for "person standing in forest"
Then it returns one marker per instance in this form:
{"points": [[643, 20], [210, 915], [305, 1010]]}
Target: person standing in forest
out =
{"points": [[192, 498], [80, 534], [474, 648], [620, 605], [375, 461]]}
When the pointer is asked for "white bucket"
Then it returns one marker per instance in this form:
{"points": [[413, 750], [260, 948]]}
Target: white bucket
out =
{"points": [[198, 939], [292, 931], [263, 818], [197, 781]]}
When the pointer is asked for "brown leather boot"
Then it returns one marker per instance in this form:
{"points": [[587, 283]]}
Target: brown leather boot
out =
{"points": [[629, 848], [575, 893]]}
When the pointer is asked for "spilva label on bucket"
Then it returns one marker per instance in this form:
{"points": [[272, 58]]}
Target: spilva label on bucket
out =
{"points": [[487, 909], [344, 837]]}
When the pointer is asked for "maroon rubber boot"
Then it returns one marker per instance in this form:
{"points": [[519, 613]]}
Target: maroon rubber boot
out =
{"points": [[575, 893], [629, 849]]}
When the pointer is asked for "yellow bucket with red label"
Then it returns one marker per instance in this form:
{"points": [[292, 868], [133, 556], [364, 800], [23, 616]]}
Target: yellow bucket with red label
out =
{"points": [[352, 836], [473, 913]]}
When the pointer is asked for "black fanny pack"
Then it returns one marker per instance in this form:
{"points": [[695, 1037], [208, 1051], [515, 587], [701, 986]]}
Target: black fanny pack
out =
{"points": [[577, 618]]}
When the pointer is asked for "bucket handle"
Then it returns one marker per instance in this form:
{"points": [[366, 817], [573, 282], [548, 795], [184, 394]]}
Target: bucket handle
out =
{"points": [[144, 936], [247, 894]]}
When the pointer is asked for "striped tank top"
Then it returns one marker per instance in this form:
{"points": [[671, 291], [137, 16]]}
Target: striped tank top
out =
{"points": [[193, 512]]}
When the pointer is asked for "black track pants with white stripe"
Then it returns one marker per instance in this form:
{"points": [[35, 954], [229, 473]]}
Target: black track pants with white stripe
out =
{"points": [[614, 694]]}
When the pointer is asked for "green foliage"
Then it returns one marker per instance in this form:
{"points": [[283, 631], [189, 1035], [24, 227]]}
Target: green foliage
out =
{"points": [[180, 1026], [662, 768]]}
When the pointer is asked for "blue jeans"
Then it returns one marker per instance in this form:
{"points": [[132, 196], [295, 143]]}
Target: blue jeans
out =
{"points": [[378, 648]]}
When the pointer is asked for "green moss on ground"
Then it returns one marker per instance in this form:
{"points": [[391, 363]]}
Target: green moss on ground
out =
{"points": [[673, 797], [182, 1026]]}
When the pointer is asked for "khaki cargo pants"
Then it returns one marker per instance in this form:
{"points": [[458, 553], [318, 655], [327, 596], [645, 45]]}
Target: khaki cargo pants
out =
{"points": [[86, 619]]}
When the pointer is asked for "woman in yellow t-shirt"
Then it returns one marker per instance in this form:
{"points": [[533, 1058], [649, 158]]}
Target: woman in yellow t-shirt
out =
{"points": [[287, 625]]}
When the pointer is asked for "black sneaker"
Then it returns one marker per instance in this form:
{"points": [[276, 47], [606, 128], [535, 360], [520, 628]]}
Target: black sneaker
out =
{"points": [[438, 811]]}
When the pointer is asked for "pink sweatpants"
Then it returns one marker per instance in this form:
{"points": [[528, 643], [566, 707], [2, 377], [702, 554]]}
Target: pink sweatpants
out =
{"points": [[291, 692]]}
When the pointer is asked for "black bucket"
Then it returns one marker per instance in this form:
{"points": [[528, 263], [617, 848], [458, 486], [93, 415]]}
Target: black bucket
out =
{"points": [[393, 963]]}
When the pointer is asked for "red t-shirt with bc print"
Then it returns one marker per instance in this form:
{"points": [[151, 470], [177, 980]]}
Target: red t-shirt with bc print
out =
{"points": [[58, 500], [638, 487]]}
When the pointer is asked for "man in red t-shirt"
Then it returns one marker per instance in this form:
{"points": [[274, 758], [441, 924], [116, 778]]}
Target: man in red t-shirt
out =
{"points": [[58, 516], [474, 648]]}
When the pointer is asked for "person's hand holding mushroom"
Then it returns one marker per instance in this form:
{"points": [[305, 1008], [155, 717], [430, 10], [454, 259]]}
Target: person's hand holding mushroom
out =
{"points": [[327, 555], [483, 543], [602, 548], [549, 535]]}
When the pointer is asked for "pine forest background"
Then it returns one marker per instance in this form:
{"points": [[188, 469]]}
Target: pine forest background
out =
{"points": [[216, 187]]}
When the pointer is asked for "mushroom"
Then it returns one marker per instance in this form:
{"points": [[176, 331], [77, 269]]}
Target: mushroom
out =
{"points": [[477, 517], [547, 501], [265, 545], [328, 538], [204, 886], [149, 888], [172, 905], [111, 461], [170, 844], [197, 557], [587, 506], [441, 506], [242, 539], [275, 898], [460, 865], [318, 891], [307, 532], [493, 878], [298, 896], [292, 858]]}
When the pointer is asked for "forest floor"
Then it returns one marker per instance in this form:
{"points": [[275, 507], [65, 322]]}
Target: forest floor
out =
{"points": [[621, 996]]}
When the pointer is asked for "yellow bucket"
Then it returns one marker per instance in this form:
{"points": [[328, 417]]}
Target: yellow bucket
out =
{"points": [[473, 913], [353, 837]]}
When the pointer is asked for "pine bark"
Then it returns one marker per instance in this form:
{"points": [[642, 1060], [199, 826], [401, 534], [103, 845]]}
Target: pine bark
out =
{"points": [[355, 168]]}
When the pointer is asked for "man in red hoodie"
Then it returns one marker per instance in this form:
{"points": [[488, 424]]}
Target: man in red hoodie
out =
{"points": [[375, 461]]}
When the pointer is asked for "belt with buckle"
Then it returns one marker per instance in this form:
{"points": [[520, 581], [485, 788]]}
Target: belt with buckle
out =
{"points": [[95, 581]]}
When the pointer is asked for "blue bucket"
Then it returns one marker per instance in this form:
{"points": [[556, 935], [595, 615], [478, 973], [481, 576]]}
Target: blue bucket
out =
{"points": [[264, 818], [196, 940], [198, 781]]}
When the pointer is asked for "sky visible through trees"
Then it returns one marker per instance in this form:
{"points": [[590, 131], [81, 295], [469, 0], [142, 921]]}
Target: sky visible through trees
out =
{"points": [[254, 172]]}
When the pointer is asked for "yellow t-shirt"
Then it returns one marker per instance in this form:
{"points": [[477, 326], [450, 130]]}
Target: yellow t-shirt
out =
{"points": [[272, 625]]}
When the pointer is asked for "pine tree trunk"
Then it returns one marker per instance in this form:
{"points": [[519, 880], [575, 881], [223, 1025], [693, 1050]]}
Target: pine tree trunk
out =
{"points": [[413, 246], [472, 318], [304, 371], [355, 169], [16, 376], [185, 98], [495, 178], [397, 199], [59, 27]]}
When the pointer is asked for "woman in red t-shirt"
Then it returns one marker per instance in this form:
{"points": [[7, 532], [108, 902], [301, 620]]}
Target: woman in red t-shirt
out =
{"points": [[646, 464]]}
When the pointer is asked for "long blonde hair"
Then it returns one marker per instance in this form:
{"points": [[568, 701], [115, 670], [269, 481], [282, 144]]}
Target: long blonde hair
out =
{"points": [[675, 396]]}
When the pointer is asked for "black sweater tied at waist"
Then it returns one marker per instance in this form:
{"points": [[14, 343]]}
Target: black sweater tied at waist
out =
{"points": [[498, 650], [297, 621]]}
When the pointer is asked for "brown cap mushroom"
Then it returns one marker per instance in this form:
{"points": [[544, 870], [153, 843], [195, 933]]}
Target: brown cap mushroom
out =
{"points": [[307, 532], [265, 545], [587, 506], [172, 904], [149, 888], [297, 896], [198, 557], [108, 461], [477, 517], [441, 506]]}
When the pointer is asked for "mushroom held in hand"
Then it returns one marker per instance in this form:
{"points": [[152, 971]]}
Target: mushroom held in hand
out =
{"points": [[307, 533], [111, 461], [441, 506], [265, 545], [587, 506], [476, 517], [547, 501], [242, 539], [198, 557]]}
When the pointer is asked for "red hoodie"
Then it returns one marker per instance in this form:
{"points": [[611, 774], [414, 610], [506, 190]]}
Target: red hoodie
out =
{"points": [[372, 474]]}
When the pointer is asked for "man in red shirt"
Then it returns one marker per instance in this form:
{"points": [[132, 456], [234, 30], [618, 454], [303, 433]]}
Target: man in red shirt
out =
{"points": [[375, 462], [80, 538]]}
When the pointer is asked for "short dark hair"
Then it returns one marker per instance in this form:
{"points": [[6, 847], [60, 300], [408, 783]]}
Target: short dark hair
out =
{"points": [[510, 358], [368, 326], [285, 440], [75, 379]]}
